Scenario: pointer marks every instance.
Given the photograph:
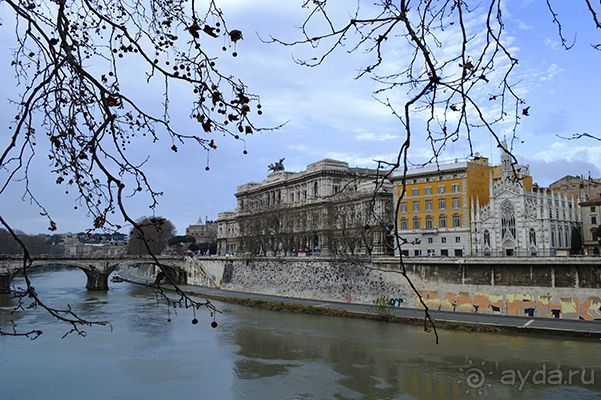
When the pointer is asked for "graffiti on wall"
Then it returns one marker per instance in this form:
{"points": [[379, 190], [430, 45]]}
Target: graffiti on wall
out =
{"points": [[518, 304]]}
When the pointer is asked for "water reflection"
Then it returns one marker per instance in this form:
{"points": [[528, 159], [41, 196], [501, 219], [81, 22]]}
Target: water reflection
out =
{"points": [[257, 354]]}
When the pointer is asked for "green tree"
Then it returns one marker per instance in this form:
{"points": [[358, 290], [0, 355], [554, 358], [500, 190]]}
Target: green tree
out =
{"points": [[150, 235]]}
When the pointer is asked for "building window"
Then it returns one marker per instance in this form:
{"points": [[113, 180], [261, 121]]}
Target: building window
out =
{"points": [[441, 189], [593, 209], [428, 190], [487, 238], [429, 222], [315, 190], [442, 204], [457, 239], [442, 221], [430, 252], [560, 237], [415, 222], [335, 188], [404, 224], [403, 207], [428, 205], [415, 206], [456, 202], [444, 252], [443, 239], [507, 220], [415, 192], [455, 188], [593, 219], [532, 236], [430, 240], [456, 221], [458, 253], [417, 252], [553, 237]]}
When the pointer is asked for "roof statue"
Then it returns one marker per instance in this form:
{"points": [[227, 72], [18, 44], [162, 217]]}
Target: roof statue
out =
{"points": [[276, 166]]}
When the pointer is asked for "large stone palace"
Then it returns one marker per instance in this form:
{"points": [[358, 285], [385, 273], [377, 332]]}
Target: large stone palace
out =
{"points": [[327, 209]]}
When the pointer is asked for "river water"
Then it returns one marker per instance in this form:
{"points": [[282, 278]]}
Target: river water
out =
{"points": [[256, 354]]}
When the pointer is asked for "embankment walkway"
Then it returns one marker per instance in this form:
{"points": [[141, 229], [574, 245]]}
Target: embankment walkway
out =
{"points": [[443, 319]]}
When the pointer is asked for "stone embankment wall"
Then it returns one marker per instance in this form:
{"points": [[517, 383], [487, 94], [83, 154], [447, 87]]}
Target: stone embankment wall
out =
{"points": [[538, 287]]}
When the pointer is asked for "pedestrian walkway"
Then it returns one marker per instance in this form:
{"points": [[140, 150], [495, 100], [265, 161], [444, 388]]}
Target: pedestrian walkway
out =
{"points": [[475, 321]]}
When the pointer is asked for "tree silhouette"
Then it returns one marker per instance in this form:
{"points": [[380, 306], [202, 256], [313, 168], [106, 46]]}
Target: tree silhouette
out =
{"points": [[456, 81], [69, 61], [155, 231]]}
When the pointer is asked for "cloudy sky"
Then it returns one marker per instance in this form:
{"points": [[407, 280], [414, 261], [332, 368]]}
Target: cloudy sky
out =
{"points": [[332, 114]]}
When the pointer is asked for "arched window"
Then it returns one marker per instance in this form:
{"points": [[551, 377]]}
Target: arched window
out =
{"points": [[429, 222], [486, 237], [442, 221], [560, 237], [532, 237], [456, 220], [415, 222], [404, 224], [315, 190], [507, 220]]}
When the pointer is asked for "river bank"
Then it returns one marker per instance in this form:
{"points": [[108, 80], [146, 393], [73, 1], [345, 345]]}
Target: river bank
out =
{"points": [[469, 322]]}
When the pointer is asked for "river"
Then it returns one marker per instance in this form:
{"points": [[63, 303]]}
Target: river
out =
{"points": [[257, 354]]}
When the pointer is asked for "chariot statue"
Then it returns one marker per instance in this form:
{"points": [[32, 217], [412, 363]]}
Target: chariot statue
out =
{"points": [[276, 166]]}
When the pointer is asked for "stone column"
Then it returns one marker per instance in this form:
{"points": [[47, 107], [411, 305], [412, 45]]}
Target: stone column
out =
{"points": [[5, 279], [97, 280]]}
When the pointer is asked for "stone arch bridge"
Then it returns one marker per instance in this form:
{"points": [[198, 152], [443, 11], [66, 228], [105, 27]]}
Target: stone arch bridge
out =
{"points": [[96, 268]]}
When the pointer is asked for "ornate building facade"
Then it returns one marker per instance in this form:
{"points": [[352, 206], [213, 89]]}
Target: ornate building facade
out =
{"points": [[518, 221], [434, 217], [327, 209], [591, 220]]}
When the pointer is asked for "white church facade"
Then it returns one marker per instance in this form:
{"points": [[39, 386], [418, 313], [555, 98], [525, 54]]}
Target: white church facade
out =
{"points": [[520, 222]]}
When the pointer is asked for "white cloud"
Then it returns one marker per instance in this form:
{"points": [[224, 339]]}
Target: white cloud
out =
{"points": [[379, 137], [569, 150]]}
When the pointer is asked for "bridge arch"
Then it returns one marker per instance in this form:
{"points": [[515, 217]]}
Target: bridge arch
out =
{"points": [[97, 273], [97, 269]]}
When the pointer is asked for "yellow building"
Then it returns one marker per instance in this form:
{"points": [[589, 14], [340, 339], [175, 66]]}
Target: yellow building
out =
{"points": [[435, 204]]}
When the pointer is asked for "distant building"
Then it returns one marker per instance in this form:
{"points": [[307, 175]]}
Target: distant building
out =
{"points": [[203, 232], [473, 208], [434, 214], [591, 219], [228, 233], [327, 209], [577, 187], [96, 244], [518, 221]]}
